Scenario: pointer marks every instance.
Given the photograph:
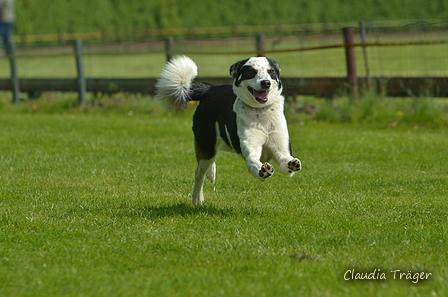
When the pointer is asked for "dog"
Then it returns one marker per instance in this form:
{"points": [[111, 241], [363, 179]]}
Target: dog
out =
{"points": [[246, 118]]}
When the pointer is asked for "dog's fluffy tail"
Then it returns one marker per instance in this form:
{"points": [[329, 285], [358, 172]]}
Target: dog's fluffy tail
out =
{"points": [[175, 83]]}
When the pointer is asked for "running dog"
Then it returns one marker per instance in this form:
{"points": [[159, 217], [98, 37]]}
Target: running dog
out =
{"points": [[246, 117]]}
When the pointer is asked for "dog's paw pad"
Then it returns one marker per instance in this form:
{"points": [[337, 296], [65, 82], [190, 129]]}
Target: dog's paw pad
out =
{"points": [[266, 171], [294, 165]]}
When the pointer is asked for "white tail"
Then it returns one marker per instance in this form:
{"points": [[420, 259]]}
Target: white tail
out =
{"points": [[174, 84]]}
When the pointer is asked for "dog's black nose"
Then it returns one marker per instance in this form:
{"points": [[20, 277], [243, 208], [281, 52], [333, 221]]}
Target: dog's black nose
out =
{"points": [[265, 84]]}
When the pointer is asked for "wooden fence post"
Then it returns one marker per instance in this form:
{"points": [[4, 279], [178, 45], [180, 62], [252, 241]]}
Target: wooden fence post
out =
{"points": [[11, 52], [351, 61], [169, 48], [362, 28], [260, 45], [80, 70]]}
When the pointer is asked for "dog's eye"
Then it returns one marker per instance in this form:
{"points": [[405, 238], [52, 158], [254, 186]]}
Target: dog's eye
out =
{"points": [[271, 71], [252, 71]]}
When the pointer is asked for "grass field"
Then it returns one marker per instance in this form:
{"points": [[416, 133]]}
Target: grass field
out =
{"points": [[98, 204]]}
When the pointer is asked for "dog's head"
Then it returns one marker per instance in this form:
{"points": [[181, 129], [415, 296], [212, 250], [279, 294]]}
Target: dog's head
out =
{"points": [[256, 81]]}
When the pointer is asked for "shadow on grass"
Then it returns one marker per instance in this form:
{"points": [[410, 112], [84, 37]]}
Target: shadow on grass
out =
{"points": [[186, 209], [181, 209]]}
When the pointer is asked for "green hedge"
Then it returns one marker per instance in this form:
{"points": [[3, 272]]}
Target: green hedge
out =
{"points": [[49, 16]]}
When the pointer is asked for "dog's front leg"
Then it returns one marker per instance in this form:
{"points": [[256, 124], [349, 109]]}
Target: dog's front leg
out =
{"points": [[251, 149], [260, 170], [281, 149]]}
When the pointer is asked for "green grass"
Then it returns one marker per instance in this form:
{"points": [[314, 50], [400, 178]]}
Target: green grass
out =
{"points": [[97, 203], [372, 109]]}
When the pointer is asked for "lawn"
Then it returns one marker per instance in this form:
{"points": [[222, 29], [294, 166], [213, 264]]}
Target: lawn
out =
{"points": [[98, 204]]}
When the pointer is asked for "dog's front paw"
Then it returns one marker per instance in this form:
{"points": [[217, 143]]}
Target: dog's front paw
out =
{"points": [[266, 171], [294, 165]]}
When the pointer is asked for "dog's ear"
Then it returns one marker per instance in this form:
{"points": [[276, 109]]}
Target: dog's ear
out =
{"points": [[235, 68], [275, 66], [277, 71]]}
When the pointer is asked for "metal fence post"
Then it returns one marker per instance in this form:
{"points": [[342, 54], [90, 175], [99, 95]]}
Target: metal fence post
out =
{"points": [[81, 80], [11, 52], [351, 61]]}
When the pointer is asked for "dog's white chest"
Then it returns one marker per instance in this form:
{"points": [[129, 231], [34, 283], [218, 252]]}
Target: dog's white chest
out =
{"points": [[266, 120]]}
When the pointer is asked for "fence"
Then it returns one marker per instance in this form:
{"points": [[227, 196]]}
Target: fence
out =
{"points": [[300, 56], [226, 31]]}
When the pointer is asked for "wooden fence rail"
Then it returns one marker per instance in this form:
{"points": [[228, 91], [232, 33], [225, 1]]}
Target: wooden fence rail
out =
{"points": [[318, 86], [235, 30]]}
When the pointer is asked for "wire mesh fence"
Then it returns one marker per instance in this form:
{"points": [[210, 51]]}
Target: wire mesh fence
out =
{"points": [[405, 49]]}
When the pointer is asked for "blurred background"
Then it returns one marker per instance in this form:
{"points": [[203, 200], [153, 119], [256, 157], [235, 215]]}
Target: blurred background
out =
{"points": [[128, 38]]}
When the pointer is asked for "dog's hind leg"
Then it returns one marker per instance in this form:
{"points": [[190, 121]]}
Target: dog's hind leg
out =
{"points": [[211, 173], [204, 166], [206, 157]]}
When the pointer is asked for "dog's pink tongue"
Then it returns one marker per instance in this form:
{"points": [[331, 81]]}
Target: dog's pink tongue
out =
{"points": [[262, 95]]}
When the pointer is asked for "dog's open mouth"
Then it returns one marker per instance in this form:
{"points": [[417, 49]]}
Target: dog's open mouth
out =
{"points": [[260, 96]]}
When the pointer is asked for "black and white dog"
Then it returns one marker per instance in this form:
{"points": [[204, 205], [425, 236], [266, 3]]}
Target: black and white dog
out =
{"points": [[246, 117]]}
